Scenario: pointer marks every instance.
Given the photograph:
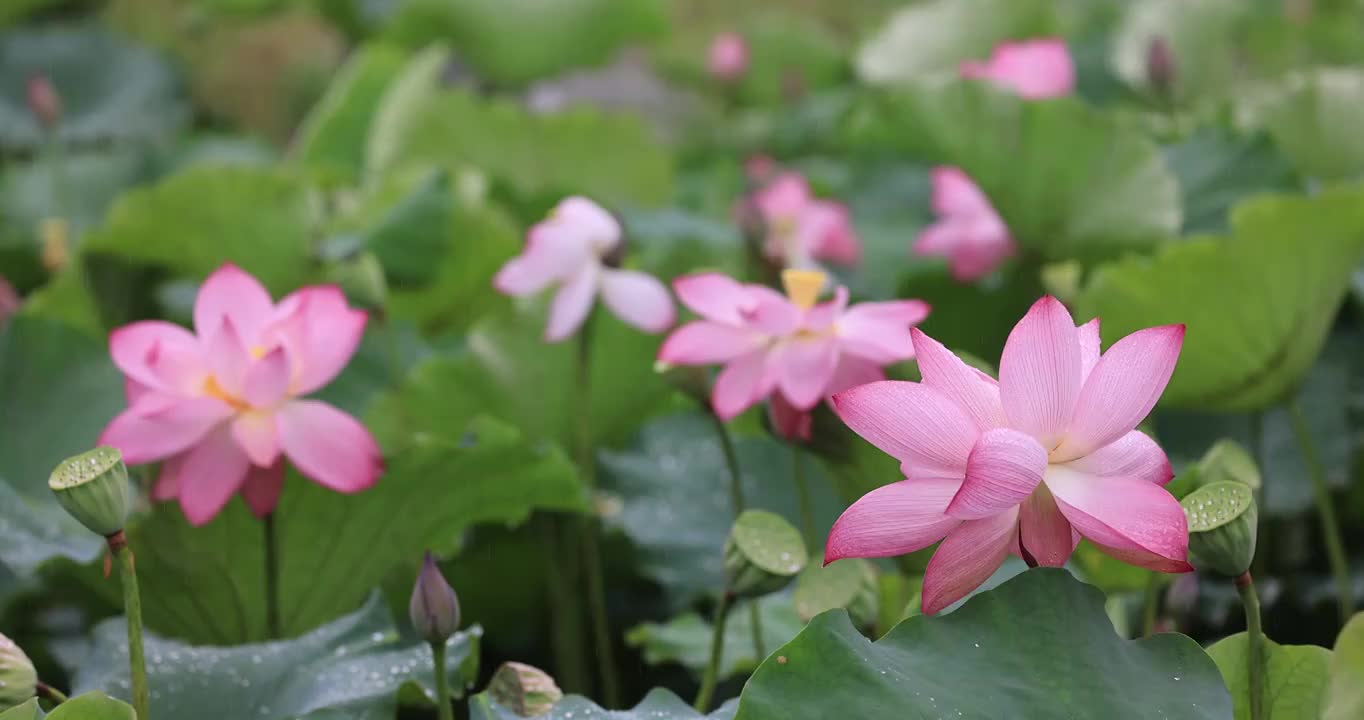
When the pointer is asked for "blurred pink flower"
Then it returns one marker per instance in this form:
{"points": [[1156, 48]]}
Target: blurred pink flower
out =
{"points": [[802, 350], [223, 407], [969, 233], [9, 300], [1034, 69], [568, 249], [1027, 465], [803, 229], [728, 56]]}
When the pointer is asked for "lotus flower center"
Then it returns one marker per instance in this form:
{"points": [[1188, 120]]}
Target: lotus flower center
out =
{"points": [[214, 390], [803, 286]]}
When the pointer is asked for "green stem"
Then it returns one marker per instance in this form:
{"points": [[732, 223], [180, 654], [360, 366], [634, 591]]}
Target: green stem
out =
{"points": [[1255, 661], [736, 501], [807, 507], [132, 608], [1330, 530], [57, 697], [717, 652], [272, 625], [589, 528], [1149, 605], [1257, 452], [563, 570], [444, 710]]}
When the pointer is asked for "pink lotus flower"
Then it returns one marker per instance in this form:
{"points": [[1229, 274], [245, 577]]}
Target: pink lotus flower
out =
{"points": [[803, 229], [969, 233], [9, 300], [728, 57], [1034, 69], [1026, 465], [569, 249], [224, 406], [803, 351]]}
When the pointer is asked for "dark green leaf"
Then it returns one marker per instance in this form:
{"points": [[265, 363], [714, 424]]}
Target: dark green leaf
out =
{"points": [[1295, 677], [406, 226], [93, 706], [1311, 115], [332, 138], [659, 704], [1217, 170], [1345, 690], [686, 638], [27, 711]]}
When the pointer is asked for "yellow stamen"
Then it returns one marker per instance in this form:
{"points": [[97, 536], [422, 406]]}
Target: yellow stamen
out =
{"points": [[214, 390], [803, 286], [257, 352]]}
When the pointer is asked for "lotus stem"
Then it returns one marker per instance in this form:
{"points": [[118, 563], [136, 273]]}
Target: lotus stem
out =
{"points": [[807, 506], [132, 608], [57, 697], [1255, 656], [589, 527], [1257, 453], [562, 573], [737, 504], [1330, 529], [717, 652], [272, 624], [444, 710], [1149, 604]]}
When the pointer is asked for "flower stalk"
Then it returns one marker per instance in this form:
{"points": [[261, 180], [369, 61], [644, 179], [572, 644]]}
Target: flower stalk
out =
{"points": [[1255, 645], [807, 505], [443, 708], [1330, 529], [737, 504], [272, 623], [717, 652], [132, 608], [53, 695]]}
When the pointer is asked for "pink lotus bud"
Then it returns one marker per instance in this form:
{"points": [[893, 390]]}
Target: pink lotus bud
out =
{"points": [[434, 609], [43, 101], [728, 59], [9, 300], [1160, 66]]}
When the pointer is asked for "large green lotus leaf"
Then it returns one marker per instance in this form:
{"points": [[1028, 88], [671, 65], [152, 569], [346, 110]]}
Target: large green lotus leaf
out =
{"points": [[400, 224], [109, 89], [207, 584], [79, 190], [1295, 677], [673, 493], [28, 711], [1070, 181], [93, 705], [1216, 170], [332, 137], [659, 704], [1039, 645], [686, 638], [1345, 690], [1311, 115], [194, 221], [1257, 304], [613, 158], [512, 42], [935, 37], [58, 388], [351, 668]]}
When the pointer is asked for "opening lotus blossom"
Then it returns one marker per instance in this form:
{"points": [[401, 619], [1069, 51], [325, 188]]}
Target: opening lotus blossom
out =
{"points": [[969, 233], [1034, 69], [803, 230], [803, 350], [1027, 465], [570, 250], [223, 406]]}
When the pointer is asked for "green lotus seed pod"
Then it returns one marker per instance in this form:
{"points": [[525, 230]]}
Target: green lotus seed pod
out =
{"points": [[851, 583], [18, 679], [762, 554], [524, 689], [93, 487], [1222, 522]]}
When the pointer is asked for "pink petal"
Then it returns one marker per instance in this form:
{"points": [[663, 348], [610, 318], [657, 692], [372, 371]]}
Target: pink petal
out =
{"points": [[929, 433], [1035, 69], [972, 389], [158, 355], [639, 299], [825, 230], [705, 343], [267, 379], [713, 296], [743, 382], [168, 480], [256, 434], [232, 293], [1045, 533], [880, 331], [328, 446], [853, 371], [969, 555], [804, 367], [894, 519], [770, 312], [788, 421], [1002, 471], [955, 194], [823, 315], [1121, 390], [728, 57], [211, 473], [783, 199], [1088, 335], [589, 220], [321, 332], [1039, 372], [1134, 520], [262, 488], [160, 426], [572, 303], [228, 358], [552, 254], [1134, 455]]}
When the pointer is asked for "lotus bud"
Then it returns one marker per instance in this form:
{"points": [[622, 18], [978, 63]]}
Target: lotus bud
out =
{"points": [[524, 689], [1222, 523], [728, 57], [434, 609], [763, 553], [18, 679], [44, 102], [1160, 66], [93, 488]]}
